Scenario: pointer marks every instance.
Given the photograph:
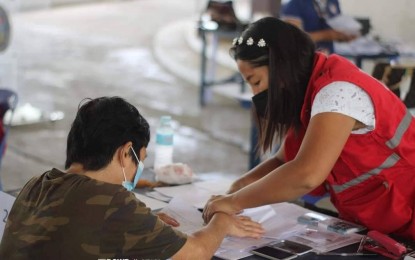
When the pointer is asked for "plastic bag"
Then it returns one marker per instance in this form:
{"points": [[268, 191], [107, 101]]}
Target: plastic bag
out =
{"points": [[176, 173]]}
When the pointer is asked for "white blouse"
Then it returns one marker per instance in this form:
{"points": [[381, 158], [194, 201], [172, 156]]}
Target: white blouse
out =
{"points": [[348, 99]]}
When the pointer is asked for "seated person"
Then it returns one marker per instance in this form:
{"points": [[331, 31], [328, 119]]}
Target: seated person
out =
{"points": [[88, 211], [311, 15]]}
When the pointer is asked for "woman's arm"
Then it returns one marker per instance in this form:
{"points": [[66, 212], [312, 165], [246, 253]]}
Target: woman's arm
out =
{"points": [[323, 142], [259, 171], [331, 35], [322, 35]]}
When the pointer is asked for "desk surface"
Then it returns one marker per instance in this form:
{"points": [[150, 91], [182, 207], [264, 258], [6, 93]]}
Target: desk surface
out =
{"points": [[365, 49], [149, 174]]}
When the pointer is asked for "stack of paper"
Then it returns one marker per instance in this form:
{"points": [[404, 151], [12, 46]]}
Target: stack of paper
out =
{"points": [[279, 221], [196, 194]]}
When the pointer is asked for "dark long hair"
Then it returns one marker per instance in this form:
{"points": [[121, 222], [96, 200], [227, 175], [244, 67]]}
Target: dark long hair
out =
{"points": [[289, 55]]}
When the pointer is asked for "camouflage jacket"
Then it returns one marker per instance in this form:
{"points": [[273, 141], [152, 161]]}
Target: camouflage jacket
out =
{"points": [[71, 216]]}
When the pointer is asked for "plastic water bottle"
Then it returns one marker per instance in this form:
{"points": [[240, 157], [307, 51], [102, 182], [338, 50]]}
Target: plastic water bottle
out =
{"points": [[164, 143]]}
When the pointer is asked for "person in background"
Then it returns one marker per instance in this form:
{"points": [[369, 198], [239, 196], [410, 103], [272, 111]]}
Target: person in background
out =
{"points": [[89, 211], [311, 15], [341, 131]]}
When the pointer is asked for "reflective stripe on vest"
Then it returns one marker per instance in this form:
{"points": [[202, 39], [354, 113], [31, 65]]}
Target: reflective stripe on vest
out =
{"points": [[403, 126], [388, 163]]}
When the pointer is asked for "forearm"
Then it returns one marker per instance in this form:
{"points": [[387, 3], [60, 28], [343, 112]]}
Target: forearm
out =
{"points": [[323, 142], [323, 35], [331, 35], [257, 173], [204, 243], [286, 183]]}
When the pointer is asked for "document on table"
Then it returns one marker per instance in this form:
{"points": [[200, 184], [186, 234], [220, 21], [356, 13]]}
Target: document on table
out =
{"points": [[6, 203], [279, 221], [189, 217], [197, 193], [158, 196], [153, 204]]}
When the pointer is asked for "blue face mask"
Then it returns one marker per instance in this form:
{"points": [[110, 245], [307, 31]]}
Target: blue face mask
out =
{"points": [[131, 185]]}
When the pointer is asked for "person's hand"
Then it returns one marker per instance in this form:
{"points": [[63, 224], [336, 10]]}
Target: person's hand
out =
{"points": [[167, 219], [243, 226], [340, 36], [219, 203]]}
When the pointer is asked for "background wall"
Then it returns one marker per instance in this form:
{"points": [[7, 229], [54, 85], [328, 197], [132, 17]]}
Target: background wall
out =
{"points": [[390, 19]]}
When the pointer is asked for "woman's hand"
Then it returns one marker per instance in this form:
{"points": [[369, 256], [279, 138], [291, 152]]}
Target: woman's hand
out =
{"points": [[167, 219], [243, 226], [340, 36], [259, 172], [219, 203], [331, 35]]}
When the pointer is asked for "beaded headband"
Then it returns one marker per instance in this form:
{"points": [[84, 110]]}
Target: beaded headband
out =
{"points": [[249, 42]]}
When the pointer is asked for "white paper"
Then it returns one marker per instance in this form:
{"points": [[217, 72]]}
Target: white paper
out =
{"points": [[189, 217], [233, 248], [244, 244], [158, 196], [231, 254], [6, 202], [344, 23], [197, 193], [151, 203], [173, 191], [279, 220], [215, 187], [194, 195]]}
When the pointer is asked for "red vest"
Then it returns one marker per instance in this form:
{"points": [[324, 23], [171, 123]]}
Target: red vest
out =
{"points": [[373, 180]]}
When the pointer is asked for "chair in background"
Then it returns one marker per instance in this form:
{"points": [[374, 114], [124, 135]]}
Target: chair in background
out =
{"points": [[390, 77], [8, 101], [218, 20], [393, 76], [409, 99]]}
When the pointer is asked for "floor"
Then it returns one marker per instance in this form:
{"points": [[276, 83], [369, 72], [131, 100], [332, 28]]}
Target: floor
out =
{"points": [[62, 55]]}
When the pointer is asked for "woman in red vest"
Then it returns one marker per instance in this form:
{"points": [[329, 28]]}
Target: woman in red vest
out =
{"points": [[341, 132]]}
